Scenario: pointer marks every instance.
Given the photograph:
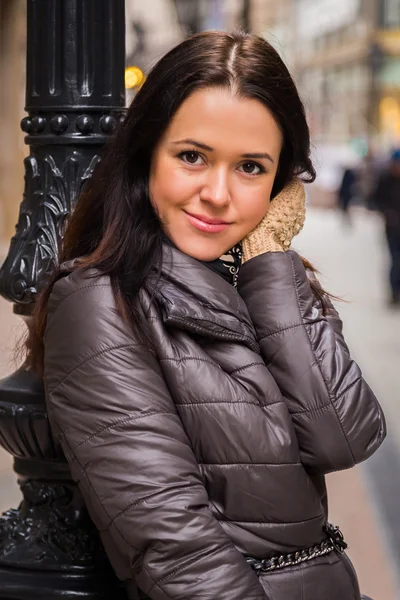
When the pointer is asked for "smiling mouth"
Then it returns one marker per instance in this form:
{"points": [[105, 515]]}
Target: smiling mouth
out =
{"points": [[207, 224], [209, 220]]}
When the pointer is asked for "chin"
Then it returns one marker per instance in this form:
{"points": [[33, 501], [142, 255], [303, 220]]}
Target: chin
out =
{"points": [[203, 255], [204, 250]]}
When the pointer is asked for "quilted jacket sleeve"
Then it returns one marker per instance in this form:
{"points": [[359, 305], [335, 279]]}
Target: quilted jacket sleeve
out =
{"points": [[127, 450], [337, 418]]}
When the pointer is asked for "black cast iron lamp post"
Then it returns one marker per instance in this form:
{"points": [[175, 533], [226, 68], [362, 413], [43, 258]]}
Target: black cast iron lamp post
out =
{"points": [[75, 98]]}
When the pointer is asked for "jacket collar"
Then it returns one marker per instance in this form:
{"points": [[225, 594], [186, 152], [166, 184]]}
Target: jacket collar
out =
{"points": [[195, 298]]}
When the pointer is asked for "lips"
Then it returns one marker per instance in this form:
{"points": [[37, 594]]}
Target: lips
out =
{"points": [[207, 224], [209, 220]]}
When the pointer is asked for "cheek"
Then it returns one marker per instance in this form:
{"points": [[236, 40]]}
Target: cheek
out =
{"points": [[169, 187], [254, 211]]}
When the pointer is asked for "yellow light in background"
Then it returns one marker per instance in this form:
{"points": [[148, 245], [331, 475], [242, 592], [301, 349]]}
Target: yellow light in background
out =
{"points": [[134, 77], [390, 114]]}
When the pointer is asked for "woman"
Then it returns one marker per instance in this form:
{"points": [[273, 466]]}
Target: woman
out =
{"points": [[201, 400]]}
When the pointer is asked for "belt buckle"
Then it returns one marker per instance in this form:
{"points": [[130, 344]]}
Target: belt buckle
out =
{"points": [[255, 564], [336, 537]]}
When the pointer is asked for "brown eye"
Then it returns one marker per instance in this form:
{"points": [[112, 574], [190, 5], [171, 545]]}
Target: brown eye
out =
{"points": [[251, 168], [190, 157]]}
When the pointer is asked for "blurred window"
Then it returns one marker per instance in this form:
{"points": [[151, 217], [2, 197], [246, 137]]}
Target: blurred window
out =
{"points": [[391, 13], [390, 73]]}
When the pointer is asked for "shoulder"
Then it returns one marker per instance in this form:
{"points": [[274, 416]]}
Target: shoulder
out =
{"points": [[82, 322], [80, 286]]}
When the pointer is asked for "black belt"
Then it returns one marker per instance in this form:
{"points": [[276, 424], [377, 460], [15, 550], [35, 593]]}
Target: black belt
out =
{"points": [[334, 541]]}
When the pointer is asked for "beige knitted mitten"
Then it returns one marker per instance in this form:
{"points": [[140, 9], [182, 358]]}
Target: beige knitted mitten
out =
{"points": [[284, 220]]}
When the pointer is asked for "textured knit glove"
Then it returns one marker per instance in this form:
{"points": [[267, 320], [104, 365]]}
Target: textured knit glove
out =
{"points": [[284, 220]]}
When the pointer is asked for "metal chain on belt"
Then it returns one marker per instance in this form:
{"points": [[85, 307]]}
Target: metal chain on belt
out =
{"points": [[335, 541]]}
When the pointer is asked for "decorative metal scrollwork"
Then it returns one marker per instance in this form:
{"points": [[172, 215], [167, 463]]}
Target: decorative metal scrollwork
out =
{"points": [[51, 527], [50, 193]]}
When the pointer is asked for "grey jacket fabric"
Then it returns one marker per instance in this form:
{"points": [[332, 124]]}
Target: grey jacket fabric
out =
{"points": [[213, 444]]}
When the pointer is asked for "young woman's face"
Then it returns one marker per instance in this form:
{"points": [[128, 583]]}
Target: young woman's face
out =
{"points": [[213, 170]]}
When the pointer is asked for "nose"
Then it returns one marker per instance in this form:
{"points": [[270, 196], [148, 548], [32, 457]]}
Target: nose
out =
{"points": [[215, 189]]}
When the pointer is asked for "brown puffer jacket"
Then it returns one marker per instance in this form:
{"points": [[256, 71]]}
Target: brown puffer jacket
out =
{"points": [[214, 444]]}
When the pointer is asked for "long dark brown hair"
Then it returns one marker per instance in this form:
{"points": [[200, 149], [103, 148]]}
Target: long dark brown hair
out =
{"points": [[114, 227]]}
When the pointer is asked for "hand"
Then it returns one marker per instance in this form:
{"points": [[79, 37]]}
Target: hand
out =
{"points": [[284, 220]]}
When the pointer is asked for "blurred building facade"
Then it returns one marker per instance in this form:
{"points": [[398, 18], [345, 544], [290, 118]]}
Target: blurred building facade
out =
{"points": [[388, 38], [275, 20], [345, 56], [335, 39]]}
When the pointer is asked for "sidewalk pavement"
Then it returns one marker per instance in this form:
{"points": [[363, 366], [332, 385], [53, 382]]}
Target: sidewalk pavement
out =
{"points": [[353, 262]]}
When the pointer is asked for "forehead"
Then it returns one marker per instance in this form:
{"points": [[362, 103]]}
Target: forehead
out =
{"points": [[219, 118]]}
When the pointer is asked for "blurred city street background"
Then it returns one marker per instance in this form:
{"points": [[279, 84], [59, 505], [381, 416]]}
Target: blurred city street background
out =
{"points": [[345, 58]]}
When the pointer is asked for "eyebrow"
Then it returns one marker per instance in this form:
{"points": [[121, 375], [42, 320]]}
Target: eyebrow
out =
{"points": [[209, 149]]}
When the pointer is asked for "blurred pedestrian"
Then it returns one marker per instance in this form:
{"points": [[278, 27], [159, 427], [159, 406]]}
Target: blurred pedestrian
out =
{"points": [[346, 192], [357, 185], [366, 179], [196, 373], [387, 201]]}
